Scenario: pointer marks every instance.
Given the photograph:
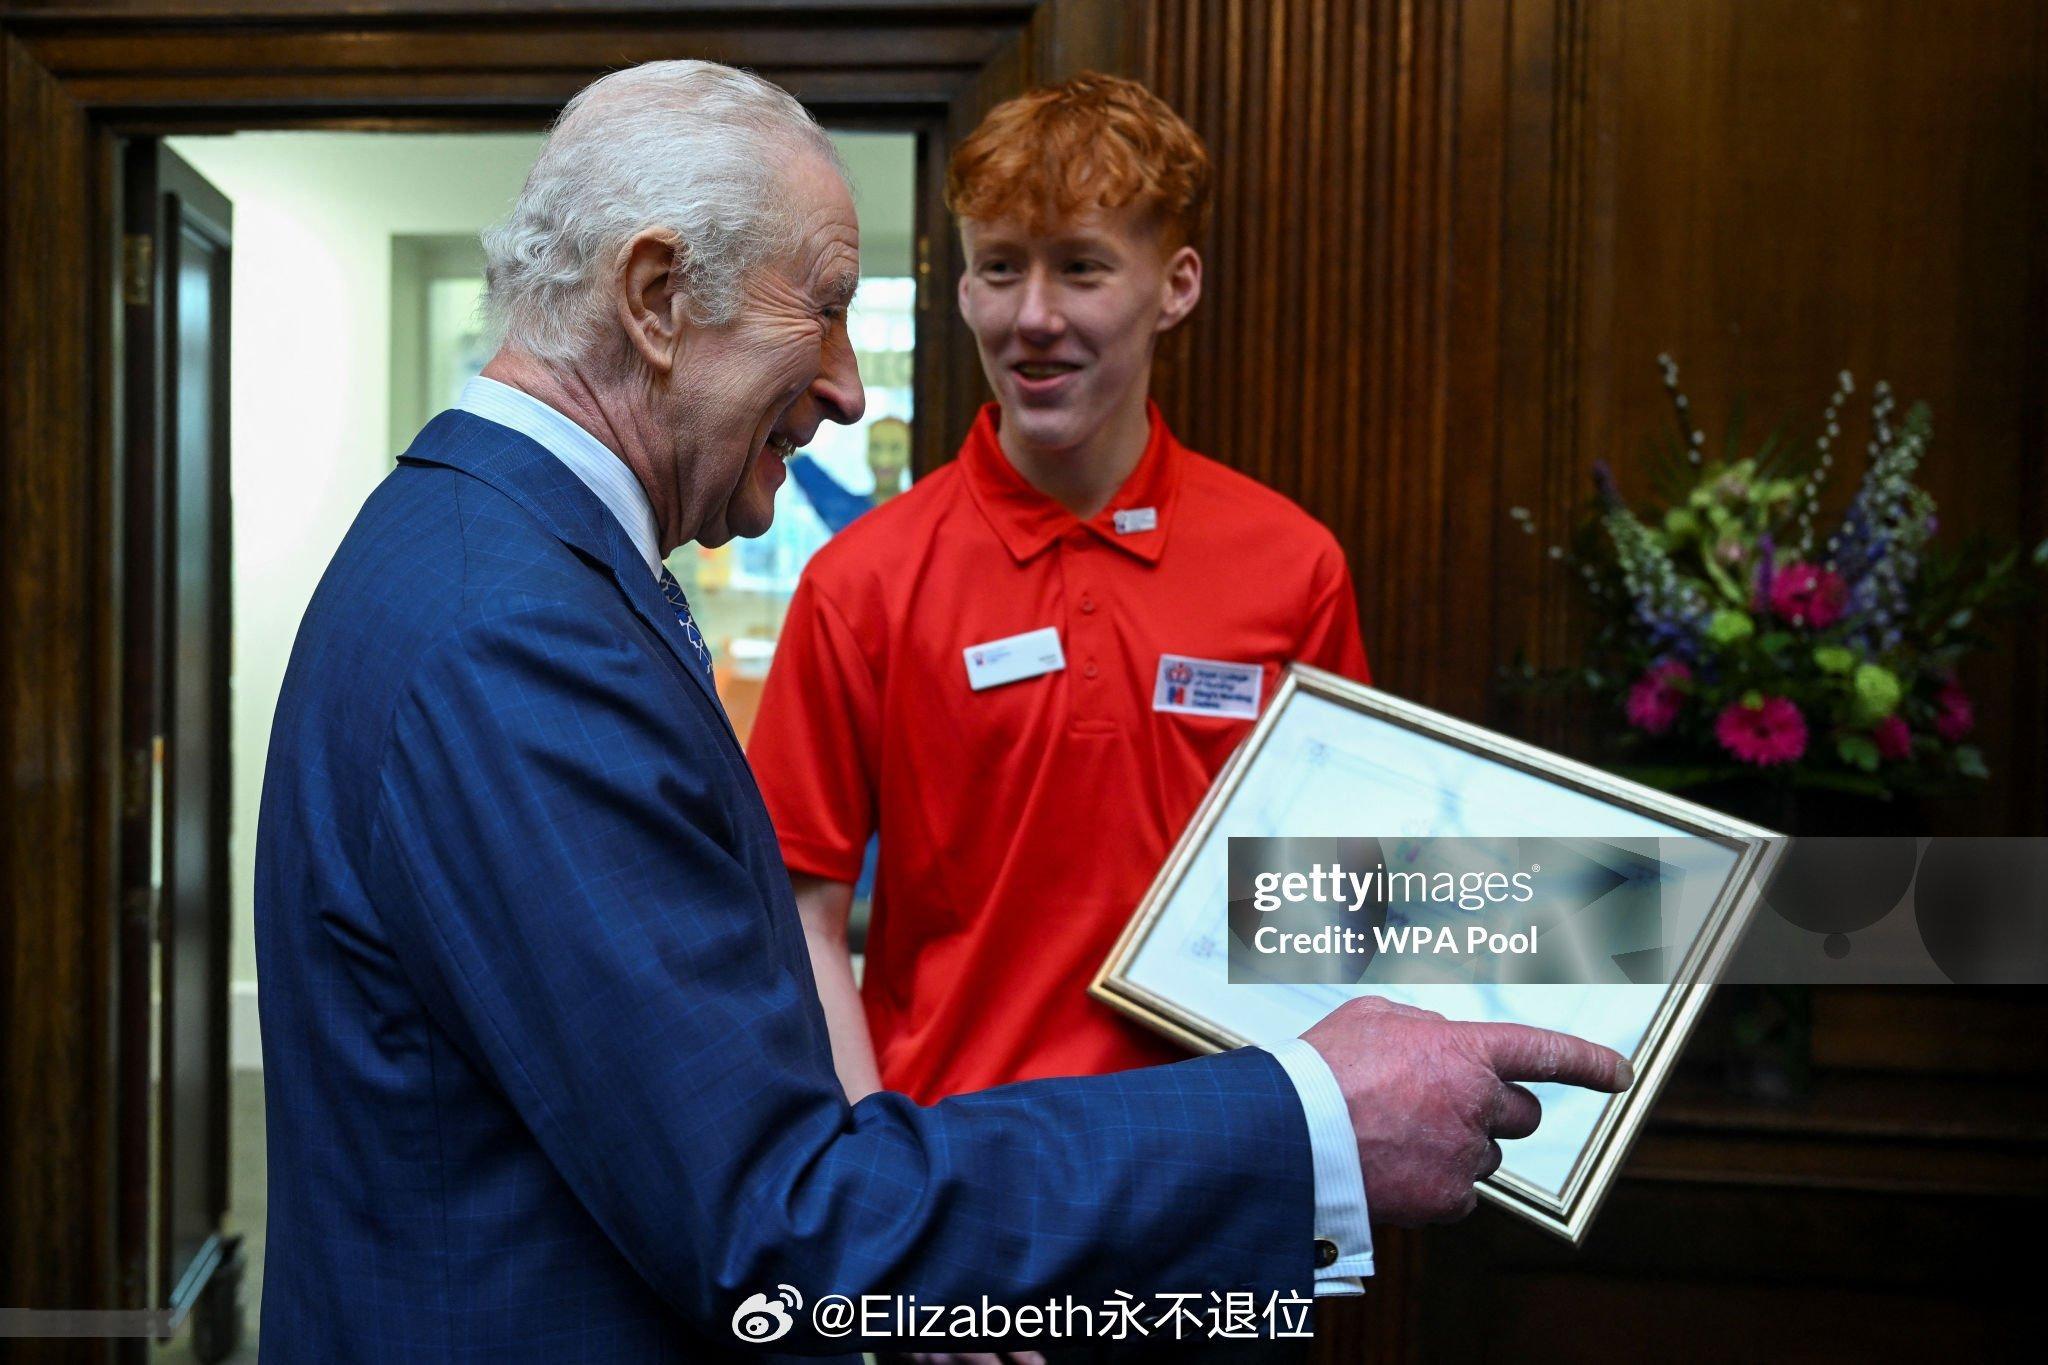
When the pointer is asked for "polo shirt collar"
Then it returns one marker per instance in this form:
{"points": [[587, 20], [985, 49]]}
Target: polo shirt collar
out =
{"points": [[1027, 521]]}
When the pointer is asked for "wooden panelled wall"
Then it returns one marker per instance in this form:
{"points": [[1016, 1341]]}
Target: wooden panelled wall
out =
{"points": [[1452, 235], [57, 693], [1321, 361]]}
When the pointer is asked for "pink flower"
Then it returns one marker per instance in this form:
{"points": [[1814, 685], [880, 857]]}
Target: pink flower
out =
{"points": [[1769, 733], [1894, 740], [1808, 596], [1655, 698], [1956, 715]]}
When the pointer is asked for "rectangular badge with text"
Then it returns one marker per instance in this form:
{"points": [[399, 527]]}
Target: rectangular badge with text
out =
{"points": [[1207, 687], [1014, 658]]}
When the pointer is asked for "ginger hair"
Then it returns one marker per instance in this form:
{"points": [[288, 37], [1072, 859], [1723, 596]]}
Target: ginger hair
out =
{"points": [[1095, 141]]}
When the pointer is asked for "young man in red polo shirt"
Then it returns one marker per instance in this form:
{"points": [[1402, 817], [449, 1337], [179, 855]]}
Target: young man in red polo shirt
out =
{"points": [[1026, 671]]}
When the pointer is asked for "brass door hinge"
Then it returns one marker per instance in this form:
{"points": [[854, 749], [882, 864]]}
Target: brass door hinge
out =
{"points": [[138, 269]]}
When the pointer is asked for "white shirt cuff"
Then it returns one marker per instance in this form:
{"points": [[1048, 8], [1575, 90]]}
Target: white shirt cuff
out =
{"points": [[1340, 1184]]}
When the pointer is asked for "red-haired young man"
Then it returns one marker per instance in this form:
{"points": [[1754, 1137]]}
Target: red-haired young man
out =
{"points": [[996, 670]]}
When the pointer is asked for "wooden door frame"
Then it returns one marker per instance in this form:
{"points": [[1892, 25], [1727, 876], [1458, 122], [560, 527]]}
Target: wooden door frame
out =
{"points": [[77, 76], [167, 202]]}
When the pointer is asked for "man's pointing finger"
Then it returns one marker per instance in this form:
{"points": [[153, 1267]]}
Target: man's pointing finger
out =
{"points": [[1520, 1053]]}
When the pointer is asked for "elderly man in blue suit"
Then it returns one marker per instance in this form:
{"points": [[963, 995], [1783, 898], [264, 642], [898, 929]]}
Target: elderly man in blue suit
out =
{"points": [[546, 1068]]}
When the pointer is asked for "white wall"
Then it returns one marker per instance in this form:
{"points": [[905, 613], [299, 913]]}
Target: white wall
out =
{"points": [[311, 358], [883, 169]]}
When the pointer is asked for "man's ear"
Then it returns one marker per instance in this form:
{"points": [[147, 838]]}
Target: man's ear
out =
{"points": [[1182, 289], [650, 298]]}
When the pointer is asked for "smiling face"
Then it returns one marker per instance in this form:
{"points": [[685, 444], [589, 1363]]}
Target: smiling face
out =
{"points": [[1066, 319], [740, 398]]}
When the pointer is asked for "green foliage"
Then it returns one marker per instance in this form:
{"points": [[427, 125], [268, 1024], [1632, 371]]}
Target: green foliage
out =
{"points": [[1724, 590], [1858, 751], [1876, 691]]}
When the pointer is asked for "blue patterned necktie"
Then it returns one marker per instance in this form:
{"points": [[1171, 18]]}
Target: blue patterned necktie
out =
{"points": [[673, 591]]}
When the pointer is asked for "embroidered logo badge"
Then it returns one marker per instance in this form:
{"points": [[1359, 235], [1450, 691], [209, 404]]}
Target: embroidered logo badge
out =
{"points": [[1207, 687]]}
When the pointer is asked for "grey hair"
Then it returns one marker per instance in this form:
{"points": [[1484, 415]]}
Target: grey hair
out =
{"points": [[692, 148]]}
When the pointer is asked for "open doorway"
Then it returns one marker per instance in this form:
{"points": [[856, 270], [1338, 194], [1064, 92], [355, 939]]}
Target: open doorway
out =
{"points": [[353, 317]]}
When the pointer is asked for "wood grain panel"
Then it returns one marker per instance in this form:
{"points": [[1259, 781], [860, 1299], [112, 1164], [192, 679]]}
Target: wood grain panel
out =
{"points": [[56, 932], [1451, 238], [28, 14], [461, 47], [1318, 360], [31, 15], [1802, 185], [1694, 1273], [171, 101]]}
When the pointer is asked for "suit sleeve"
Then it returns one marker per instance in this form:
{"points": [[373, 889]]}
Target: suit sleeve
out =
{"points": [[1331, 640], [554, 859], [815, 740]]}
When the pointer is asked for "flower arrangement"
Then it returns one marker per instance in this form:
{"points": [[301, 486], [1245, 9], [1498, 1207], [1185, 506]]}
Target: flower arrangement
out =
{"points": [[1735, 637]]}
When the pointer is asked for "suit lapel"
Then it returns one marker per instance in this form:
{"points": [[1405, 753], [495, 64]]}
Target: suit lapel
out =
{"points": [[644, 595], [524, 470]]}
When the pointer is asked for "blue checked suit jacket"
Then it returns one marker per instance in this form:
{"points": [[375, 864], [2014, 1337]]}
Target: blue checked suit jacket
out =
{"points": [[546, 1071]]}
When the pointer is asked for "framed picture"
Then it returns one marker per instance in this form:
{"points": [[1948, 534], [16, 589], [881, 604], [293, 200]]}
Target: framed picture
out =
{"points": [[1629, 947]]}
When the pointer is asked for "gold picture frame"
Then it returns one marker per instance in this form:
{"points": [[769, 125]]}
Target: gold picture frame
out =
{"points": [[1164, 970]]}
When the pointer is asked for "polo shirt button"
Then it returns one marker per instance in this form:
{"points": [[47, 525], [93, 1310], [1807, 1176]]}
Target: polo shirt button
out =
{"points": [[1326, 1253], [1089, 670], [1088, 605]]}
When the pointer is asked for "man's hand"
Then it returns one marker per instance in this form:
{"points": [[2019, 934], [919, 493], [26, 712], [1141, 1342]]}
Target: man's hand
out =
{"points": [[1428, 1098]]}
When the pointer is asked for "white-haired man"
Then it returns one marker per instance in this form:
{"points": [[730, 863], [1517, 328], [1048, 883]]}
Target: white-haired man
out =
{"points": [[546, 1070]]}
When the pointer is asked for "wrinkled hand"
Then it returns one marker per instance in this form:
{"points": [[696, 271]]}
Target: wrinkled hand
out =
{"points": [[1429, 1098]]}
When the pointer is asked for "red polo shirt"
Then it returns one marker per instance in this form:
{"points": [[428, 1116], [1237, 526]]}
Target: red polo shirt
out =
{"points": [[1021, 824]]}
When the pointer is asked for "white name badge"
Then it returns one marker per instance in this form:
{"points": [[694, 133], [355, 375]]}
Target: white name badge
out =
{"points": [[1014, 657], [1131, 520], [1207, 687]]}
